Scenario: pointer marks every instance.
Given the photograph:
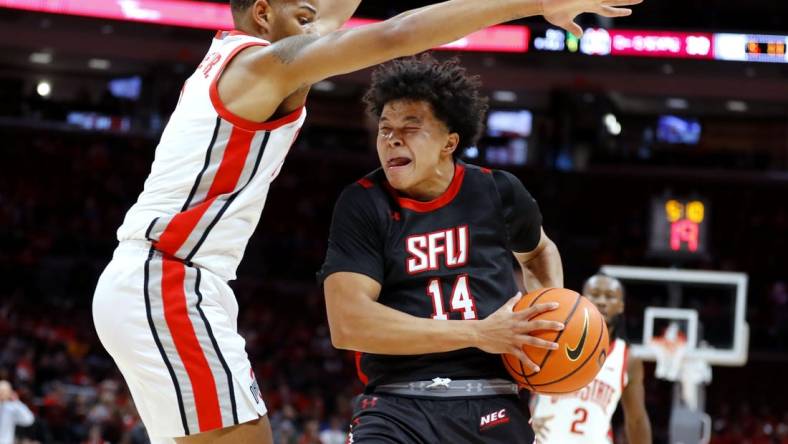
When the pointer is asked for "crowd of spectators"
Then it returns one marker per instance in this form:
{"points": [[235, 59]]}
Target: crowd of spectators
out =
{"points": [[63, 195], [60, 370], [744, 425]]}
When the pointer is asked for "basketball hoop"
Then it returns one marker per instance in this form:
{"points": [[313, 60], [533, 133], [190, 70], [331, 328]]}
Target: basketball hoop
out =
{"points": [[675, 364], [670, 350], [678, 296]]}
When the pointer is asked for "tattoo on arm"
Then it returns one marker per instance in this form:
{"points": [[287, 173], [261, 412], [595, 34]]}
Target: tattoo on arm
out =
{"points": [[287, 50]]}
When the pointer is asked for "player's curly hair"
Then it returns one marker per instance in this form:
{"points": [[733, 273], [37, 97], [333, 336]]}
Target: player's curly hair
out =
{"points": [[453, 94]]}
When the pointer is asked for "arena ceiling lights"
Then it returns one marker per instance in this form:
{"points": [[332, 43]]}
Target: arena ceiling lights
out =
{"points": [[514, 39]]}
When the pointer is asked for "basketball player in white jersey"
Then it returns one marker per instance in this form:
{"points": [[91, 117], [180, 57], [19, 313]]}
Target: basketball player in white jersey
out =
{"points": [[162, 307], [584, 417]]}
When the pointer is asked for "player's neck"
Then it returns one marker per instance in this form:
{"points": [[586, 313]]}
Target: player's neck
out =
{"points": [[435, 186], [248, 27]]}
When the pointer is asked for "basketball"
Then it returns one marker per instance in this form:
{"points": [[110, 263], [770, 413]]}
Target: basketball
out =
{"points": [[583, 345]]}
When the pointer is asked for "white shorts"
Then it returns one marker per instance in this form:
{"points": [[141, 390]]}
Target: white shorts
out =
{"points": [[172, 330]]}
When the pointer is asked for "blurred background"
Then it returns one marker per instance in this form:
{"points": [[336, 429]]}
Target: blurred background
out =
{"points": [[684, 101]]}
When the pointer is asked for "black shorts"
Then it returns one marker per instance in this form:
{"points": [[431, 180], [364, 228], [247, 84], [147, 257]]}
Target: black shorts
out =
{"points": [[381, 418]]}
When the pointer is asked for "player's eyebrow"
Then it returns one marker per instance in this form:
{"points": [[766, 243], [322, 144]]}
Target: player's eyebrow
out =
{"points": [[309, 8], [408, 119]]}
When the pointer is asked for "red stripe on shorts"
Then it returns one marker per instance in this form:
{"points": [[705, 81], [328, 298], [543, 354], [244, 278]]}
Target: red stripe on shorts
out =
{"points": [[209, 415], [361, 375]]}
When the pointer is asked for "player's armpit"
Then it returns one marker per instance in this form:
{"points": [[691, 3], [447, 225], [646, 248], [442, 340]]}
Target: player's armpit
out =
{"points": [[633, 401]]}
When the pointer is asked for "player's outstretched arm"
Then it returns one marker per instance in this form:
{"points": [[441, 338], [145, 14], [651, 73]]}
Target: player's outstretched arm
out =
{"points": [[359, 322], [542, 267], [633, 400], [299, 61]]}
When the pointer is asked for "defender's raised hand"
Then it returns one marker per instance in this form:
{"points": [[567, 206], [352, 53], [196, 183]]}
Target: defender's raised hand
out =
{"points": [[563, 12]]}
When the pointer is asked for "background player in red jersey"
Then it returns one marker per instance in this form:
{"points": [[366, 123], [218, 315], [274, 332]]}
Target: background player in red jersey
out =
{"points": [[162, 307], [581, 418]]}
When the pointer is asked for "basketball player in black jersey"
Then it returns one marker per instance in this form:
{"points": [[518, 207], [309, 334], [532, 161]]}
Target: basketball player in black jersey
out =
{"points": [[418, 275]]}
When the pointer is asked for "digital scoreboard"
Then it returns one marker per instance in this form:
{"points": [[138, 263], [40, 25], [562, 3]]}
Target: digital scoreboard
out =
{"points": [[679, 227], [751, 48]]}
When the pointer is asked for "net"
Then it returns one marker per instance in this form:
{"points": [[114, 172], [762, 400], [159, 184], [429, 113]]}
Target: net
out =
{"points": [[675, 364], [670, 349]]}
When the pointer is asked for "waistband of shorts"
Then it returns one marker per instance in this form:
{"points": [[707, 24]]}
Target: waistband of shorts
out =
{"points": [[448, 388], [133, 247], [138, 248], [142, 248]]}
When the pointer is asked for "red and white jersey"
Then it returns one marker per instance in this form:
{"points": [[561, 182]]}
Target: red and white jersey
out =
{"points": [[212, 171], [584, 417]]}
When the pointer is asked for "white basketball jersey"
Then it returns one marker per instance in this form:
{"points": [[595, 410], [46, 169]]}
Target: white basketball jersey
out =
{"points": [[584, 417], [212, 171]]}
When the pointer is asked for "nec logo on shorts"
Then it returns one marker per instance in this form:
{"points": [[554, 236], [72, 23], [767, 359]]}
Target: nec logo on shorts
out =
{"points": [[493, 419]]}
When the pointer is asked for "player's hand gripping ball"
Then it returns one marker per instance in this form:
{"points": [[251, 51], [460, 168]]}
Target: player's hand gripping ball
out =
{"points": [[583, 345]]}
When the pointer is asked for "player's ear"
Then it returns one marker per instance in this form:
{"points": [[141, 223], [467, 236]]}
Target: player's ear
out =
{"points": [[262, 14], [451, 144], [621, 306]]}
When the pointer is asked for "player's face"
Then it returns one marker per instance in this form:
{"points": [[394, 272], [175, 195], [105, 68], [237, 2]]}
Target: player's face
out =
{"points": [[607, 295], [412, 143], [291, 17]]}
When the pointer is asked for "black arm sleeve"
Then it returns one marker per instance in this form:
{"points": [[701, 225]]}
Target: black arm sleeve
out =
{"points": [[354, 244], [521, 212]]}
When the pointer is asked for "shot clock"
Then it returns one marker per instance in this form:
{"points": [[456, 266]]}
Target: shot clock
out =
{"points": [[679, 227]]}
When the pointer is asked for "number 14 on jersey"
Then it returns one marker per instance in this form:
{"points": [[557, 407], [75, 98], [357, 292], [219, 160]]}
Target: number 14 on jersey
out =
{"points": [[461, 298]]}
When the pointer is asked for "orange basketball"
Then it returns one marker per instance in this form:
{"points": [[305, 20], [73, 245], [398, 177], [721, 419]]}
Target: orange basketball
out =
{"points": [[583, 345]]}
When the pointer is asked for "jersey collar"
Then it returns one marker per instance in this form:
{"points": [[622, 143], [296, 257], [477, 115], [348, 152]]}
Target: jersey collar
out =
{"points": [[439, 202], [221, 35]]}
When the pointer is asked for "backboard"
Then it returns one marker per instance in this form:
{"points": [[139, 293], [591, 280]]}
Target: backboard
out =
{"points": [[708, 307]]}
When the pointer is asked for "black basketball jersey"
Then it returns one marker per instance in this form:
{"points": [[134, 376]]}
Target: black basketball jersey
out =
{"points": [[450, 258]]}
